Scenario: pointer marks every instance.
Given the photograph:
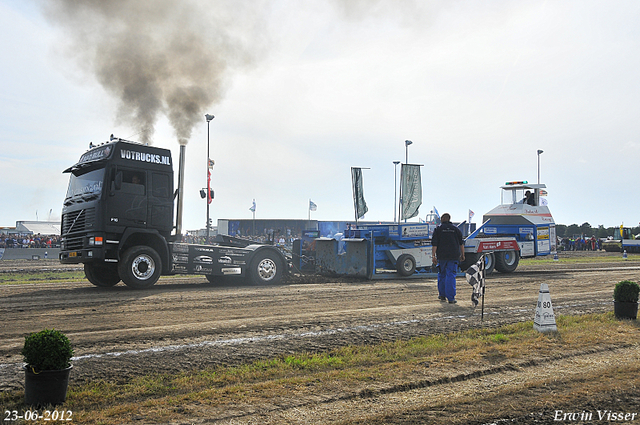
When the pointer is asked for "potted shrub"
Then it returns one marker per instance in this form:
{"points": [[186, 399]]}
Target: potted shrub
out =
{"points": [[47, 355], [625, 299]]}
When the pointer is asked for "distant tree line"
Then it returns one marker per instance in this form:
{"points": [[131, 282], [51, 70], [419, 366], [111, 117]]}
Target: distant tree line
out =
{"points": [[585, 229]]}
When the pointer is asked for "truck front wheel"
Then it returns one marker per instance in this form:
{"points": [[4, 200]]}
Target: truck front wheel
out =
{"points": [[140, 267], [266, 268], [102, 275], [507, 261]]}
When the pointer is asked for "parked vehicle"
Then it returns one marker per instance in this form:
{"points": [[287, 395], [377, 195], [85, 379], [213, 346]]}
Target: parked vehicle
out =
{"points": [[623, 240]]}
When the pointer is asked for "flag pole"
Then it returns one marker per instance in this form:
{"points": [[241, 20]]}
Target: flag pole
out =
{"points": [[484, 286], [482, 314], [400, 198], [353, 191]]}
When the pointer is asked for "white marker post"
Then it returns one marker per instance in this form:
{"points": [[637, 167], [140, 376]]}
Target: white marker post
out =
{"points": [[545, 320]]}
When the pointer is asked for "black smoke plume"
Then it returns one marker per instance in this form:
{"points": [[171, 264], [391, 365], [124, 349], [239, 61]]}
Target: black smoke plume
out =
{"points": [[170, 57]]}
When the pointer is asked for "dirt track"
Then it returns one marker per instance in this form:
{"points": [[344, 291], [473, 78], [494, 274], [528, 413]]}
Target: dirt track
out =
{"points": [[185, 323]]}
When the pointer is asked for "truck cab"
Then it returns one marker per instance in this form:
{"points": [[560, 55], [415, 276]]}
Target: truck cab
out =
{"points": [[118, 221], [120, 194]]}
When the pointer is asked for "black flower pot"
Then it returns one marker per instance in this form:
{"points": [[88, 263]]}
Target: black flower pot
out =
{"points": [[45, 387], [624, 310]]}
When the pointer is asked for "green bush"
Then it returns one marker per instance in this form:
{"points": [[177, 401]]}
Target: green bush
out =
{"points": [[626, 292], [47, 350]]}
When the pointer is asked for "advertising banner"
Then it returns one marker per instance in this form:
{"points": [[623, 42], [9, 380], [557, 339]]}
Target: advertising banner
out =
{"points": [[411, 190], [358, 193]]}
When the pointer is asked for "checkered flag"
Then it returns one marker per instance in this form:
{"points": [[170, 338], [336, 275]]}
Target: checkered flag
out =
{"points": [[475, 277]]}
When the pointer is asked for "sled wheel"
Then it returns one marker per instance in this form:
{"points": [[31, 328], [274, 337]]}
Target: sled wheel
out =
{"points": [[507, 261], [406, 265], [489, 262]]}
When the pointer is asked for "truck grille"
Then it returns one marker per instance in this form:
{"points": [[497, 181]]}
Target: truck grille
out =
{"points": [[73, 244], [78, 221]]}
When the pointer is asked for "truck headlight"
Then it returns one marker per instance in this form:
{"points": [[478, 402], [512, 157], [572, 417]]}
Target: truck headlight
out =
{"points": [[95, 241]]}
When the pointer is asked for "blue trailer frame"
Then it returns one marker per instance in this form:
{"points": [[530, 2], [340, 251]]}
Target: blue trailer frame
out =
{"points": [[372, 251]]}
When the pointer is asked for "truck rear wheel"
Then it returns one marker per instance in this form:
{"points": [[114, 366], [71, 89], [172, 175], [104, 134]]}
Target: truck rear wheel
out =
{"points": [[102, 275], [406, 265], [266, 268], [140, 267], [507, 261]]}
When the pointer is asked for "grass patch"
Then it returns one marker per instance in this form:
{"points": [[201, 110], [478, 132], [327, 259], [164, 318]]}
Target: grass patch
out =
{"points": [[352, 369], [40, 276]]}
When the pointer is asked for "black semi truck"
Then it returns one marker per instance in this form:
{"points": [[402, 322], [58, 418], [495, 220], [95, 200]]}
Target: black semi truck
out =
{"points": [[118, 220]]}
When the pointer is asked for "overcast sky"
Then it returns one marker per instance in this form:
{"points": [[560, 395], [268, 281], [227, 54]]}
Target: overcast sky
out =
{"points": [[308, 89]]}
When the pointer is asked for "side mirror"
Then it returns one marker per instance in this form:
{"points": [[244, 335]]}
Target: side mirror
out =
{"points": [[118, 180]]}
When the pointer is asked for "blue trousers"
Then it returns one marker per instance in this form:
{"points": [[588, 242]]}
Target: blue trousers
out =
{"points": [[447, 279]]}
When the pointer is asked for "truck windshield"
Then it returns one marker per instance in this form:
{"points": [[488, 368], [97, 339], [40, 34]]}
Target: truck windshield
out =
{"points": [[84, 187]]}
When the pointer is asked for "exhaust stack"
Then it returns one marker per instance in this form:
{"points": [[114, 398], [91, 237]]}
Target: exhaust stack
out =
{"points": [[180, 189]]}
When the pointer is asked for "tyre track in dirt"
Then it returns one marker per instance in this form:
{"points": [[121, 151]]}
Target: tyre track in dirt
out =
{"points": [[456, 396], [184, 324], [422, 396]]}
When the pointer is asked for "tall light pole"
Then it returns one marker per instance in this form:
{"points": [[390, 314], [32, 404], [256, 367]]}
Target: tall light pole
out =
{"points": [[539, 152], [209, 117], [406, 145], [395, 188]]}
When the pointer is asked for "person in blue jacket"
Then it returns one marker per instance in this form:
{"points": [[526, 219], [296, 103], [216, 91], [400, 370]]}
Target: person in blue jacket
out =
{"points": [[447, 251]]}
